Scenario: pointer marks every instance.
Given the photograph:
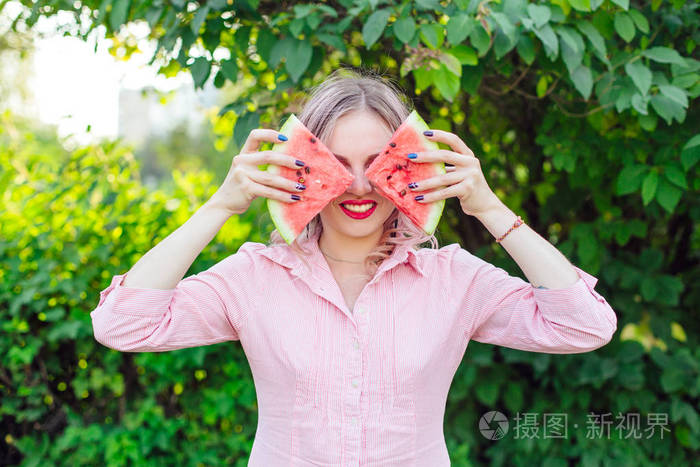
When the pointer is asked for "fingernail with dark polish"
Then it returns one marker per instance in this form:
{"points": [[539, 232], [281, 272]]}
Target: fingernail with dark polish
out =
{"points": [[282, 137], [419, 197], [413, 185], [301, 186], [428, 133], [296, 197], [299, 163], [413, 155]]}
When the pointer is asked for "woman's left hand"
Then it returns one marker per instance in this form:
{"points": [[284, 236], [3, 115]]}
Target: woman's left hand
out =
{"points": [[465, 180]]}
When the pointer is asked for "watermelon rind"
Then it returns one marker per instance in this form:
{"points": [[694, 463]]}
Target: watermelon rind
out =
{"points": [[275, 207]]}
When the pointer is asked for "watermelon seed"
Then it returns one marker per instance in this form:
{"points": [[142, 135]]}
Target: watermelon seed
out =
{"points": [[313, 140], [392, 144], [386, 152], [307, 170], [388, 177], [298, 173], [399, 167], [301, 180], [403, 192]]}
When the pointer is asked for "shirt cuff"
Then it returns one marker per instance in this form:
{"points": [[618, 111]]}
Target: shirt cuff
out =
{"points": [[585, 285], [135, 300]]}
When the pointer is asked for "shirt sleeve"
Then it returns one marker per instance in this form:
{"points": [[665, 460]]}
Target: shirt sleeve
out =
{"points": [[203, 309], [497, 308]]}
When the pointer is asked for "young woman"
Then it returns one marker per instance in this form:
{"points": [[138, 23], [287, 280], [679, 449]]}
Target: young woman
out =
{"points": [[353, 334]]}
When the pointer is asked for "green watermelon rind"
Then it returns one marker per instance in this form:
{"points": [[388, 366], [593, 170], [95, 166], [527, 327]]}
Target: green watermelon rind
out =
{"points": [[276, 208]]}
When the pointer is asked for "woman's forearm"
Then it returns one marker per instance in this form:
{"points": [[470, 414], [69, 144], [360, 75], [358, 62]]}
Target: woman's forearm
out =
{"points": [[540, 261], [164, 265]]}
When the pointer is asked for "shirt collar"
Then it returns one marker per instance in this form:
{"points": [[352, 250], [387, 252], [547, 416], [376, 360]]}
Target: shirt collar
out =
{"points": [[282, 254]]}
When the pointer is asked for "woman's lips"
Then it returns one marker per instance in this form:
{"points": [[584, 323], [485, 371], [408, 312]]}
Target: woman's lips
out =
{"points": [[359, 215]]}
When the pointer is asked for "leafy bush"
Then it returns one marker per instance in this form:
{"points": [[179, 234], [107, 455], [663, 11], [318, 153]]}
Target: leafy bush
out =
{"points": [[584, 115]]}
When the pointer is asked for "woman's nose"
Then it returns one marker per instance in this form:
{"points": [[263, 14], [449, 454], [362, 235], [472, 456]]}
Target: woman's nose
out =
{"points": [[361, 184]]}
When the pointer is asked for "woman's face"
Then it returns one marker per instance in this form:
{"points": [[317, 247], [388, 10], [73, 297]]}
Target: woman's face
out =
{"points": [[357, 139]]}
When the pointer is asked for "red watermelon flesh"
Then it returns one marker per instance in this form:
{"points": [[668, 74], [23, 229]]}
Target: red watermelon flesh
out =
{"points": [[324, 176], [392, 171]]}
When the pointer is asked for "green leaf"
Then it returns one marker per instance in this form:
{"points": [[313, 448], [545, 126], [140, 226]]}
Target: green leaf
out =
{"points": [[668, 195], [624, 4], [640, 103], [459, 27], [640, 74], [690, 154], [549, 39], [664, 55], [119, 14], [629, 179], [281, 49], [583, 80], [296, 26], [298, 59], [624, 26], [674, 93], [640, 20], [649, 288], [374, 27], [589, 31], [230, 70], [432, 35], [480, 39], [581, 5], [465, 54], [540, 14], [452, 63], [244, 125], [332, 40], [428, 4], [526, 49], [672, 379], [404, 29], [264, 43], [199, 18], [506, 26], [676, 176], [200, 71], [446, 82], [649, 185], [541, 87], [667, 108]]}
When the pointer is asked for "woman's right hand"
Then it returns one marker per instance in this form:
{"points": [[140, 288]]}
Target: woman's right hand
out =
{"points": [[244, 181]]}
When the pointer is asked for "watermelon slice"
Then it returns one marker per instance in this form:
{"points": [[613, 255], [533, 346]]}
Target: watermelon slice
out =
{"points": [[392, 171], [324, 176]]}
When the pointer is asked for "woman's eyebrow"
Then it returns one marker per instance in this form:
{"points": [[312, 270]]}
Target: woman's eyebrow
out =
{"points": [[344, 159]]}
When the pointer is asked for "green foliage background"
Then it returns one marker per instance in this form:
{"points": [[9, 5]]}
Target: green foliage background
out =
{"points": [[584, 114]]}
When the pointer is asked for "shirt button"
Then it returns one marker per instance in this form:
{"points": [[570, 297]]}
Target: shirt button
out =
{"points": [[355, 383], [361, 310], [356, 345]]}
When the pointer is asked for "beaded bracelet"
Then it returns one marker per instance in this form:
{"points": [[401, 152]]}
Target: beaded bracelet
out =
{"points": [[518, 222]]}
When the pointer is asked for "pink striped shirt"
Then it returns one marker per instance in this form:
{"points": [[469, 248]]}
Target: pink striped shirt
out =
{"points": [[361, 387]]}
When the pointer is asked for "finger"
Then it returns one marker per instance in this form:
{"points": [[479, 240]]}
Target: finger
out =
{"points": [[437, 195], [276, 181], [435, 182], [269, 157], [272, 193], [257, 136], [452, 140], [444, 155]]}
